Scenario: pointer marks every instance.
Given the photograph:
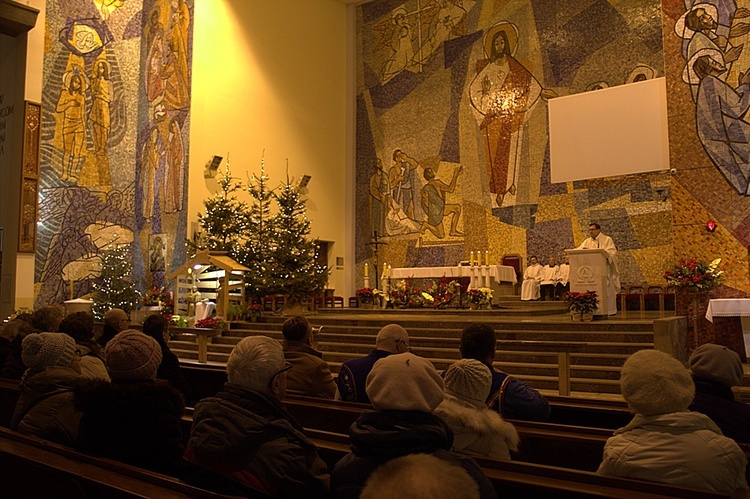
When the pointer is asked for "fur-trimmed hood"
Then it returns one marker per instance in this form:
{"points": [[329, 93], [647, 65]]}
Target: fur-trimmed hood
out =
{"points": [[478, 430]]}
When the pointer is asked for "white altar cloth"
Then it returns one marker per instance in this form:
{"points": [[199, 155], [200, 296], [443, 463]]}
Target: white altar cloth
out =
{"points": [[728, 307], [500, 273]]}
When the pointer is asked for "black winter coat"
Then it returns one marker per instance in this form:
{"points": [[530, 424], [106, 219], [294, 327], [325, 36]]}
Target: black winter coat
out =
{"points": [[134, 422]]}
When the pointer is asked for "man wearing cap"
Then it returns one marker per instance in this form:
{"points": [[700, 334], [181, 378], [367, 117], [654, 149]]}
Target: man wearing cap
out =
{"points": [[509, 396], [133, 419], [716, 369], [244, 437], [404, 390], [665, 442], [391, 339], [46, 406]]}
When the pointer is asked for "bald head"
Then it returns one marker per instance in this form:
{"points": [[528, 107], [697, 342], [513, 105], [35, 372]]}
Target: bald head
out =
{"points": [[117, 319], [392, 338]]}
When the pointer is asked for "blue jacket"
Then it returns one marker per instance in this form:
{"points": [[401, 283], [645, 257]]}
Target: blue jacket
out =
{"points": [[514, 399], [353, 376]]}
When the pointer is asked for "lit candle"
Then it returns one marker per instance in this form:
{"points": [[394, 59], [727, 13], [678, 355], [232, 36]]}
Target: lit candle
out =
{"points": [[385, 267], [367, 270], [479, 257], [471, 260], [487, 257]]}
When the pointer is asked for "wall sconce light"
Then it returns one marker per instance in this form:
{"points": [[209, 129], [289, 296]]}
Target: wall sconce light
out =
{"points": [[212, 167], [711, 226]]}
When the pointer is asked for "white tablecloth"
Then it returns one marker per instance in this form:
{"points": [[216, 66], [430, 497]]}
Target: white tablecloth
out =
{"points": [[500, 273], [728, 307]]}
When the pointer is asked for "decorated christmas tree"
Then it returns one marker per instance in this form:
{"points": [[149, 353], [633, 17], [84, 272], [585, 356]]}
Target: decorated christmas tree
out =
{"points": [[257, 252], [226, 222], [296, 271], [114, 287]]}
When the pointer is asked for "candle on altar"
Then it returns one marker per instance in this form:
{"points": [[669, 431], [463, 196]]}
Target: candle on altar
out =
{"points": [[479, 257], [367, 270], [471, 259], [385, 268], [487, 257]]}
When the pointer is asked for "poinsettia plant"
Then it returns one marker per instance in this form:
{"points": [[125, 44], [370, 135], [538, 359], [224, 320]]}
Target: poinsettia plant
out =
{"points": [[210, 322], [693, 273], [582, 303], [365, 295]]}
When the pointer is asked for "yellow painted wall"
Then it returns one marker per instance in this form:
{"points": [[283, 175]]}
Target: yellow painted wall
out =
{"points": [[271, 75]]}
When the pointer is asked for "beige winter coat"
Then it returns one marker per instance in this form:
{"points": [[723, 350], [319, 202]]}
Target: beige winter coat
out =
{"points": [[477, 430], [681, 448]]}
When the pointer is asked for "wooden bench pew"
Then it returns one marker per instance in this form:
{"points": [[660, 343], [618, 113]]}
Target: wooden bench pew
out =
{"points": [[33, 467], [527, 480]]}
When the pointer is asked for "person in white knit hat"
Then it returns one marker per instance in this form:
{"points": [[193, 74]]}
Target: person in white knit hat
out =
{"points": [[665, 442], [477, 428], [716, 369], [46, 407], [404, 390]]}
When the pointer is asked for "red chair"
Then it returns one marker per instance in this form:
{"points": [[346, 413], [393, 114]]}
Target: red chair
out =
{"points": [[515, 261]]}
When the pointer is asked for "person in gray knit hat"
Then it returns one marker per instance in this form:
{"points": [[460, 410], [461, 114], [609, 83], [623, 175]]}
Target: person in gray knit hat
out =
{"points": [[477, 428], [716, 369], [135, 418], [46, 406], [665, 442]]}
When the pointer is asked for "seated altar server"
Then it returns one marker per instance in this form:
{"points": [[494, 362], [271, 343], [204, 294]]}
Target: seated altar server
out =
{"points": [[562, 279], [547, 285], [532, 277]]}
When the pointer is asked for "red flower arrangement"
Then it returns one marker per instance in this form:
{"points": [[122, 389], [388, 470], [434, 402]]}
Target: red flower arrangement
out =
{"points": [[210, 322]]}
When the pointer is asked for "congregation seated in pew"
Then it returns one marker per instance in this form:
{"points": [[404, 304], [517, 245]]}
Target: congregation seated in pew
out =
{"points": [[477, 429], [80, 326], [716, 369], [244, 437], [665, 442], [311, 375], [46, 405], [511, 397], [352, 376], [404, 390], [135, 418]]}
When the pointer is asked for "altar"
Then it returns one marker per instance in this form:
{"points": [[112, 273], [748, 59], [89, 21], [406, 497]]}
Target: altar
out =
{"points": [[727, 335], [481, 276]]}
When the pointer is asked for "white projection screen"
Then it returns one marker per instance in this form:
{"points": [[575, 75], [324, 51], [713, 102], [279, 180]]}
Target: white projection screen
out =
{"points": [[613, 131]]}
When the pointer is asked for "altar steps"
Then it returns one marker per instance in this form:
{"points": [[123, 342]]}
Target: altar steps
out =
{"points": [[596, 368]]}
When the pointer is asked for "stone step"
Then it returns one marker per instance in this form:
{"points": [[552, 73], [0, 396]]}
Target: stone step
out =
{"points": [[441, 321], [367, 335]]}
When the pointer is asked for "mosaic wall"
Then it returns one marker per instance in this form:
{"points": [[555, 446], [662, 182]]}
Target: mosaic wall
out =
{"points": [[453, 143], [115, 129]]}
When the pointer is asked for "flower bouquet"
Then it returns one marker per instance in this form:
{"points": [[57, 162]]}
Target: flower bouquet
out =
{"points": [[443, 293], [691, 273], [406, 295], [480, 297]]}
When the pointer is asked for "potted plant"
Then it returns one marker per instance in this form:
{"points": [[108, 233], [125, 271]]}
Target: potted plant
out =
{"points": [[582, 305], [253, 312], [479, 298], [214, 322], [365, 297]]}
